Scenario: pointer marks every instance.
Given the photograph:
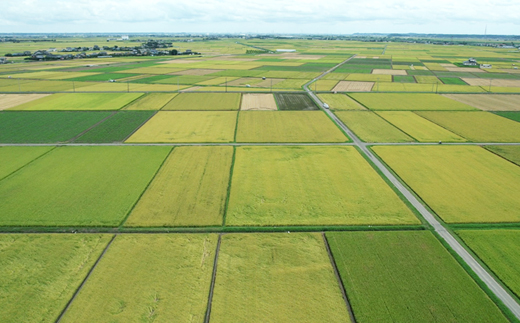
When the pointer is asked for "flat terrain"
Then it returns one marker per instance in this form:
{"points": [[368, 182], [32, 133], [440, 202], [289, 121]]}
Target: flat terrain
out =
{"points": [[513, 115], [489, 102], [350, 86], [251, 101], [12, 100], [287, 126], [462, 184], [159, 278], [295, 102], [79, 186], [184, 192], [511, 153], [407, 277], [276, 278], [204, 101], [14, 158], [409, 101], [188, 126], [80, 101], [370, 127], [39, 273], [151, 101], [310, 186], [340, 102]]}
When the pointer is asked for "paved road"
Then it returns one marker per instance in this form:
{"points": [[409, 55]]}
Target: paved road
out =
{"points": [[493, 285]]}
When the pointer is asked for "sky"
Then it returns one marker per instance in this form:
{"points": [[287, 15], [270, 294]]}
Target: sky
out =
{"points": [[265, 16]]}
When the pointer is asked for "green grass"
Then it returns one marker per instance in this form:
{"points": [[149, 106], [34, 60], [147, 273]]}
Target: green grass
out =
{"points": [[370, 127], [287, 126], [148, 278], [79, 186], [276, 278], [340, 102], [151, 101], [491, 128], [13, 158], [513, 115], [499, 251], [452, 80], [39, 273], [408, 101], [46, 126], [117, 128], [294, 102], [80, 101], [310, 186], [184, 79], [101, 77], [511, 153], [407, 277], [404, 79], [205, 101], [184, 192], [462, 184]]}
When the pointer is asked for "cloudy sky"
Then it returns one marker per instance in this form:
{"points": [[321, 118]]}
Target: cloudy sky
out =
{"points": [[265, 16]]}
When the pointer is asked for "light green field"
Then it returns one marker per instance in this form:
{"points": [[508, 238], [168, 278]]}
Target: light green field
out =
{"points": [[491, 127], [39, 273], [151, 101], [276, 278], [433, 88], [340, 102], [511, 153], [217, 81], [427, 79], [323, 85], [184, 192], [462, 184], [148, 278], [499, 251], [14, 158], [407, 277], [205, 101], [369, 77], [409, 101], [79, 186], [287, 126], [419, 128], [80, 101], [188, 126], [310, 186], [370, 127]]}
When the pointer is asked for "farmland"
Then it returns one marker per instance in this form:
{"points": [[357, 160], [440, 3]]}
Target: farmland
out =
{"points": [[489, 102], [391, 101], [511, 153], [276, 278], [370, 127], [14, 158], [185, 193], [412, 274], [80, 101], [179, 293], [340, 102], [252, 101], [152, 101], [204, 101], [295, 102], [287, 126], [12, 100], [310, 185]]}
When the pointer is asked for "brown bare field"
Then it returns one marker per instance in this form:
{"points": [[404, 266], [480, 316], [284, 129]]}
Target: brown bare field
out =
{"points": [[191, 89], [255, 101], [182, 61], [389, 72], [195, 71], [349, 86], [489, 102], [494, 82], [465, 69], [11, 100], [449, 65]]}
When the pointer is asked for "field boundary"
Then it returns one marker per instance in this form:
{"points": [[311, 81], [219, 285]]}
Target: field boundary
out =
{"points": [[93, 126], [231, 169], [139, 127], [85, 280], [30, 162], [213, 277]]}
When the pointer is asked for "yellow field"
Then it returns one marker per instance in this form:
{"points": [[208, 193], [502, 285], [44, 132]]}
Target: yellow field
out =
{"points": [[348, 86], [390, 72], [205, 101], [370, 127], [495, 82], [151, 101], [489, 102], [369, 77], [287, 126], [218, 80], [419, 127], [184, 192], [460, 183], [340, 102], [258, 102], [12, 100], [187, 126], [323, 85]]}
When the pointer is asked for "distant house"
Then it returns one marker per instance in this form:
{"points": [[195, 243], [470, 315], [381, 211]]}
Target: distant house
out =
{"points": [[3, 60], [470, 62], [485, 66], [286, 50], [125, 38]]}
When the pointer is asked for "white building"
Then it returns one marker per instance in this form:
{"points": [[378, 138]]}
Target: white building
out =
{"points": [[125, 38], [286, 50]]}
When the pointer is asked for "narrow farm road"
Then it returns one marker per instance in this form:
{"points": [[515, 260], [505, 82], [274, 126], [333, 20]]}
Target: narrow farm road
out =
{"points": [[490, 282]]}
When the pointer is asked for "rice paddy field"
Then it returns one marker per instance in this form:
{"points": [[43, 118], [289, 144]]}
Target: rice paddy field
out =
{"points": [[217, 188]]}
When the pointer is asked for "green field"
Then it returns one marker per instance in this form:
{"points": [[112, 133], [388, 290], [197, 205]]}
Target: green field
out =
{"points": [[294, 102], [184, 192], [419, 128], [117, 128], [80, 101], [511, 153], [513, 115], [276, 278], [499, 251], [151, 101], [148, 278], [452, 80], [408, 101], [100, 77], [46, 126], [188, 126], [370, 127], [14, 158], [491, 128], [287, 126], [310, 186], [39, 273], [340, 102], [462, 184], [205, 101], [407, 277], [79, 186]]}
